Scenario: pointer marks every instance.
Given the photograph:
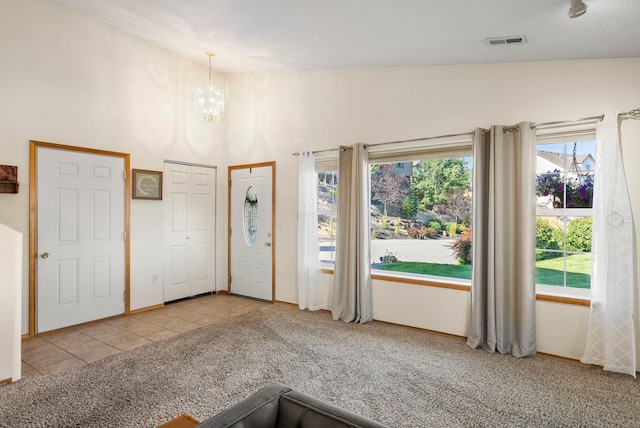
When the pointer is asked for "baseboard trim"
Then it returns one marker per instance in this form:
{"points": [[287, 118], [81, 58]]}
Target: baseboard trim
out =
{"points": [[145, 309], [6, 381]]}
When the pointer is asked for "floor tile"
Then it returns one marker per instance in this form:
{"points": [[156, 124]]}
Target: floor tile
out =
{"points": [[125, 341], [28, 371], [66, 339], [164, 334], [69, 363], [44, 355], [93, 350]]}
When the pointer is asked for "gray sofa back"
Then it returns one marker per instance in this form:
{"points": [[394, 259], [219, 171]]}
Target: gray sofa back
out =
{"points": [[278, 406]]}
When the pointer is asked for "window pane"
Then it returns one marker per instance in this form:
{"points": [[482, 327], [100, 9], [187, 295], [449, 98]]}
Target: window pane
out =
{"points": [[327, 210], [578, 267], [564, 187], [564, 175], [550, 267], [421, 217], [327, 237]]}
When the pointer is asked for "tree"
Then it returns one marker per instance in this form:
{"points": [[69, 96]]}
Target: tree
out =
{"points": [[434, 180], [410, 205], [579, 234], [458, 206], [388, 188]]}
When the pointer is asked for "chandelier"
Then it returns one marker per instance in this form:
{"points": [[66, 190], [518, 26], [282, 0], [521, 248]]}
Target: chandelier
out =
{"points": [[209, 96], [578, 8]]}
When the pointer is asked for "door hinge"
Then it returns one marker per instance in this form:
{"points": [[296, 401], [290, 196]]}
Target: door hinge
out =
{"points": [[124, 297], [124, 235], [124, 175], [230, 279], [229, 182], [230, 231]]}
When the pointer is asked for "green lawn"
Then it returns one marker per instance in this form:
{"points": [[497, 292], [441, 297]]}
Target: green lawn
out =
{"points": [[452, 271], [549, 272]]}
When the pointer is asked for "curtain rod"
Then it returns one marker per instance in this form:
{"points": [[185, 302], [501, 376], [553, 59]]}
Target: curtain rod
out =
{"points": [[563, 122], [395, 142], [631, 114], [317, 151]]}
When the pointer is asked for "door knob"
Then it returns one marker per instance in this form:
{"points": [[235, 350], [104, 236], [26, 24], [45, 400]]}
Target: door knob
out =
{"points": [[44, 255], [267, 244]]}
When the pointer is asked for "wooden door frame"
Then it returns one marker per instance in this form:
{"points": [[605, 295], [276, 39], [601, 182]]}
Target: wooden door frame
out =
{"points": [[33, 222], [272, 164]]}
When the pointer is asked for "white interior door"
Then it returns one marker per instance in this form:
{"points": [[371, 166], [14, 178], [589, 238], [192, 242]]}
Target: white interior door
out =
{"points": [[251, 234], [81, 242], [189, 216]]}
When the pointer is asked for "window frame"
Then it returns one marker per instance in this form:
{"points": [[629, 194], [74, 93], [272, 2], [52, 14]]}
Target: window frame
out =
{"points": [[566, 134]]}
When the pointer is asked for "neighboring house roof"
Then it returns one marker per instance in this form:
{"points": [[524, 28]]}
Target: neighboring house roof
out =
{"points": [[562, 160]]}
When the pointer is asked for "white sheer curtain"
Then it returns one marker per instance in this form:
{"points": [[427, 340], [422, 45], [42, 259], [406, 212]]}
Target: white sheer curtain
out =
{"points": [[611, 336], [352, 300], [312, 294], [503, 294]]}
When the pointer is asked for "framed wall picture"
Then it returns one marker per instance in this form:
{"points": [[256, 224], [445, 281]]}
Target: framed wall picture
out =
{"points": [[146, 184]]}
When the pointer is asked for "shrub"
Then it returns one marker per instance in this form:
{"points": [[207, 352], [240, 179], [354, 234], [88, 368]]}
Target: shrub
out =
{"points": [[435, 224], [579, 234], [388, 257], [451, 228], [462, 247], [546, 235], [412, 232], [428, 232], [377, 234]]}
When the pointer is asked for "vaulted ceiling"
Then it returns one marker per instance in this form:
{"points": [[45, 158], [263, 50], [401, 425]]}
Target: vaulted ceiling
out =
{"points": [[249, 35]]}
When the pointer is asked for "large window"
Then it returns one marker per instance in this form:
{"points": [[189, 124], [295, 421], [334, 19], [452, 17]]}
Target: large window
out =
{"points": [[564, 192], [421, 211], [421, 217]]}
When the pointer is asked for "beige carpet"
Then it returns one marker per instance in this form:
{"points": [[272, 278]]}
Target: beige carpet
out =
{"points": [[394, 375]]}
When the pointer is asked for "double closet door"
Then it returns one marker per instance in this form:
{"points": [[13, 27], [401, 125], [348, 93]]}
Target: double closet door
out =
{"points": [[189, 215]]}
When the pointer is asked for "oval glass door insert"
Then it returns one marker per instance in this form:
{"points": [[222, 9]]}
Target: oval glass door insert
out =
{"points": [[250, 215]]}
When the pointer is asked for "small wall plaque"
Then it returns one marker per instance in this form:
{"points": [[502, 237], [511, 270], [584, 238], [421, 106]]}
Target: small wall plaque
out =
{"points": [[8, 179], [146, 184]]}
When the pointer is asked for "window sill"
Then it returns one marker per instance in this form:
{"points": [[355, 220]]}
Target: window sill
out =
{"points": [[572, 296], [576, 297], [423, 280]]}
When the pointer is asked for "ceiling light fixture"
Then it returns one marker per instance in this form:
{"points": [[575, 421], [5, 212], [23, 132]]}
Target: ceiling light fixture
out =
{"points": [[209, 96], [578, 8]]}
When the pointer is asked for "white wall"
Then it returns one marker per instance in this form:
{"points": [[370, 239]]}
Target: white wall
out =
{"points": [[70, 80], [10, 309], [67, 79], [273, 115]]}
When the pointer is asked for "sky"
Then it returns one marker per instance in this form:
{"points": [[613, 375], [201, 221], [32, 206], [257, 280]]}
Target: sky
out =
{"points": [[584, 147]]}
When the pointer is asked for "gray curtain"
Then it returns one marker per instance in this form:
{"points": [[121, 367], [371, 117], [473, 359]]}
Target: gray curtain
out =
{"points": [[503, 281], [352, 301]]}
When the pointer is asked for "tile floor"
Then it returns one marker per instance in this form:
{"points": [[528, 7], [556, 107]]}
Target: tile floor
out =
{"points": [[76, 346]]}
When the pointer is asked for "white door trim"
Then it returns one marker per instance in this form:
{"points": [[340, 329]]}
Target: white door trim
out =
{"points": [[33, 221], [272, 164]]}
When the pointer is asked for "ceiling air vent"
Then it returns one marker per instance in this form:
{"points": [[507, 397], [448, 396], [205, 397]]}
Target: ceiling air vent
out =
{"points": [[511, 40]]}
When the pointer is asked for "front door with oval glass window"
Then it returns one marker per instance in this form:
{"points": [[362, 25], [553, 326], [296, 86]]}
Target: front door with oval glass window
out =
{"points": [[251, 238]]}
